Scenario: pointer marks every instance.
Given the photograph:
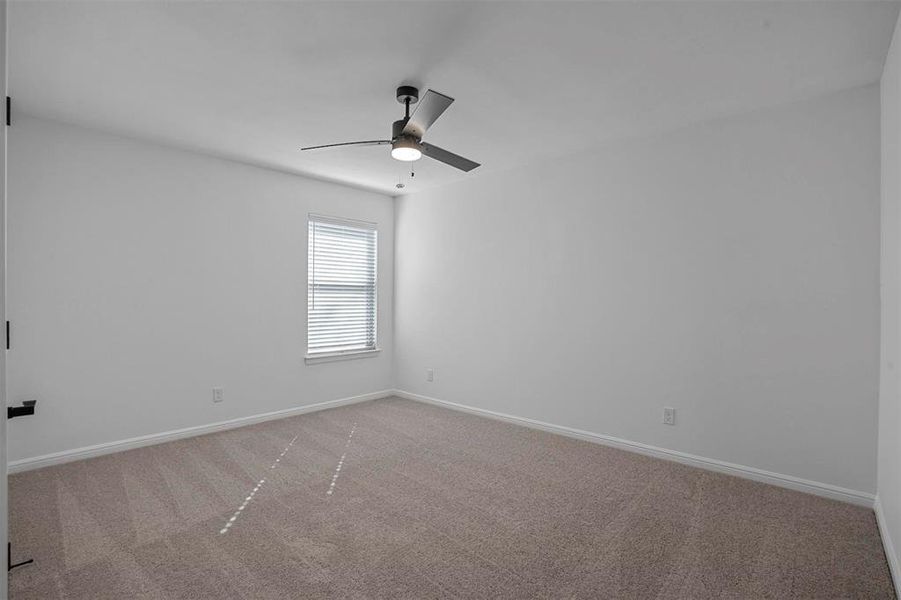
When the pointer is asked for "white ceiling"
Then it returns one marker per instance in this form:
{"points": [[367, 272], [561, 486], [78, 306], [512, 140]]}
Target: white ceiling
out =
{"points": [[255, 81]]}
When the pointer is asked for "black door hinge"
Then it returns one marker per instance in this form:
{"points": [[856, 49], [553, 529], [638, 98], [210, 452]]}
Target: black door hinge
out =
{"points": [[9, 111], [26, 409], [7, 335]]}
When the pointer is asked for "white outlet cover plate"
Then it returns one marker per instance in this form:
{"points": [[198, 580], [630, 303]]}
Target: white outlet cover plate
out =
{"points": [[669, 416]]}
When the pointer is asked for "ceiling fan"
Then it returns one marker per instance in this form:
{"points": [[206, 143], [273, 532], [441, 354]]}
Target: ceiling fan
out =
{"points": [[406, 134]]}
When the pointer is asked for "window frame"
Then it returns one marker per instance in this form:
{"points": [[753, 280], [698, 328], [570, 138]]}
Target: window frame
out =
{"points": [[333, 355]]}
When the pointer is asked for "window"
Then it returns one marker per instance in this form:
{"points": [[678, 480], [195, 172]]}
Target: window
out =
{"points": [[342, 288]]}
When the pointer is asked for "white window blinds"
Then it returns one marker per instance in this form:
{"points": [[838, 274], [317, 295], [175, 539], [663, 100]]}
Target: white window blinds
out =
{"points": [[342, 289]]}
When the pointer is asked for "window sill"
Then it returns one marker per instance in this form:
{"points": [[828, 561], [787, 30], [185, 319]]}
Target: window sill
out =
{"points": [[315, 359]]}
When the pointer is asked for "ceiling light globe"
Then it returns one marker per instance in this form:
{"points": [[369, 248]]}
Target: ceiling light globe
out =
{"points": [[406, 154], [406, 149]]}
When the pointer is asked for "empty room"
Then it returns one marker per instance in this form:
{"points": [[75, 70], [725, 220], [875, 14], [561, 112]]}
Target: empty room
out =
{"points": [[451, 299]]}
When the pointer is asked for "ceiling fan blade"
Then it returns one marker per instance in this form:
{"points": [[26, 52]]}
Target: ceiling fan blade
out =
{"points": [[448, 158], [427, 112], [366, 143]]}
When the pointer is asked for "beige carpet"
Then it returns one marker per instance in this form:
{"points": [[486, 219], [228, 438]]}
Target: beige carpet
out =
{"points": [[427, 503]]}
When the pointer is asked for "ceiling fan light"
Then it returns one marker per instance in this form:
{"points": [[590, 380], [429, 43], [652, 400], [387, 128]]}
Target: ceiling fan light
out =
{"points": [[406, 149], [406, 154]]}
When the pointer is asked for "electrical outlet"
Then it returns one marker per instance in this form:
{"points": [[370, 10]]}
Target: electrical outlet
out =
{"points": [[430, 375], [218, 394], [669, 415]]}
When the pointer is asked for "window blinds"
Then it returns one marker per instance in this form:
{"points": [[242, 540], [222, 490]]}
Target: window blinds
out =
{"points": [[341, 294]]}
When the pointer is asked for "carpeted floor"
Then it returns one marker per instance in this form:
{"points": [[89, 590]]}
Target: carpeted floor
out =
{"points": [[395, 499]]}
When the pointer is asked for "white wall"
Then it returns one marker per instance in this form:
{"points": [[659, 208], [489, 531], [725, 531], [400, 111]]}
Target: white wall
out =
{"points": [[889, 463], [729, 270], [140, 277]]}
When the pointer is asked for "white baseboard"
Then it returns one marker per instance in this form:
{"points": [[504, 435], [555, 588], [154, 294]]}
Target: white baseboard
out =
{"points": [[56, 458], [888, 546], [787, 481]]}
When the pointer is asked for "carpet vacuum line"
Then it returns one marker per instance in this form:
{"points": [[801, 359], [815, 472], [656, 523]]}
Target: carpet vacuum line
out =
{"points": [[253, 492], [331, 488]]}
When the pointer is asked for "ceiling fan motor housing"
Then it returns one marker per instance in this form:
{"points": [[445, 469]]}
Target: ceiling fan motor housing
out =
{"points": [[397, 128], [397, 131]]}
